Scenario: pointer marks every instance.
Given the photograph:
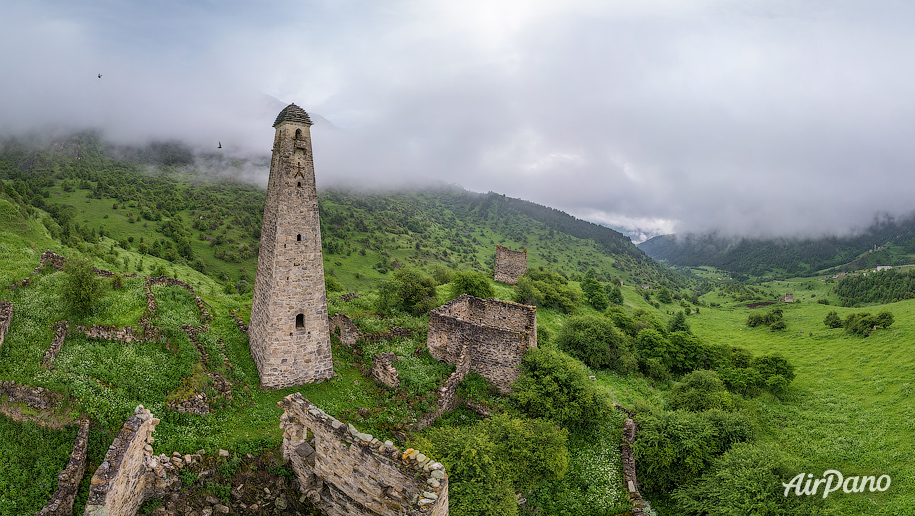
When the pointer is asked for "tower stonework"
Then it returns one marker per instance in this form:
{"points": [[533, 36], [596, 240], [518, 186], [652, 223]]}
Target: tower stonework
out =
{"points": [[288, 333]]}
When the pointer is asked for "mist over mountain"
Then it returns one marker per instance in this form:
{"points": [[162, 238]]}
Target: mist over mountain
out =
{"points": [[886, 241]]}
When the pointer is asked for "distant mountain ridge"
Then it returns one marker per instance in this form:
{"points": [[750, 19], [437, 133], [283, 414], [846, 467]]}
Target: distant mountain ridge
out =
{"points": [[892, 239]]}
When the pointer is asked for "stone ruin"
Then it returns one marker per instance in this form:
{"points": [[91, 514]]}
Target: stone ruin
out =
{"points": [[496, 335], [6, 317], [383, 370], [510, 265], [348, 473]]}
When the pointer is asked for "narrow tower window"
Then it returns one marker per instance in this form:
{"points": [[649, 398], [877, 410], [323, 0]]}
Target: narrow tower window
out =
{"points": [[299, 184], [300, 321], [298, 238], [298, 134]]}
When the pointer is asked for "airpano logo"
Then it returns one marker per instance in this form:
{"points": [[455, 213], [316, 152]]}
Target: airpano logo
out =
{"points": [[834, 481]]}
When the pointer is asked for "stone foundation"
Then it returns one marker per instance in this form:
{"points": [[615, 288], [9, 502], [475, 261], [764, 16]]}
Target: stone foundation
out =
{"points": [[68, 480], [510, 265], [124, 334], [495, 333], [34, 397], [349, 473]]}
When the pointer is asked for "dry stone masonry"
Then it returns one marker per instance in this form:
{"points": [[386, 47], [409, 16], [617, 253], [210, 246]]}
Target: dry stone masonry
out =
{"points": [[288, 333], [349, 473], [122, 482], [495, 333], [510, 265], [6, 317], [383, 370], [60, 334], [639, 507], [68, 480], [344, 328], [34, 397], [447, 398]]}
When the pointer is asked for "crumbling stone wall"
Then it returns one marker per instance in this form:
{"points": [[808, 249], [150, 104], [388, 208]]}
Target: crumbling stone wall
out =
{"points": [[120, 484], [344, 328], [173, 282], [383, 370], [239, 322], [124, 334], [496, 334], [510, 265], [6, 316], [349, 334], [60, 334], [61, 503], [35, 397], [639, 507], [447, 398], [349, 473]]}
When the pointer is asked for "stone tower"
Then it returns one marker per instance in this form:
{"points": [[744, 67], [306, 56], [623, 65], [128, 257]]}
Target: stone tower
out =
{"points": [[289, 331]]}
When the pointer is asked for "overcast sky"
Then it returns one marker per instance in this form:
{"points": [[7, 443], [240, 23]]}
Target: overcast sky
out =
{"points": [[752, 117]]}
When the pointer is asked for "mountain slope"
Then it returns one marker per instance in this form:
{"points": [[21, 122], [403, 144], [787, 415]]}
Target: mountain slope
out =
{"points": [[791, 256]]}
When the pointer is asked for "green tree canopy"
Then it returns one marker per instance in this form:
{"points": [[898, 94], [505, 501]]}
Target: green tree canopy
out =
{"points": [[82, 287]]}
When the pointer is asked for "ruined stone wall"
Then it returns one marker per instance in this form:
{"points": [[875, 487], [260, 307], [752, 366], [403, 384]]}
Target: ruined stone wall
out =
{"points": [[61, 503], [60, 334], [343, 327], [446, 397], [124, 334], [496, 334], [510, 265], [35, 397], [120, 484], [383, 370], [349, 473], [6, 317], [173, 282]]}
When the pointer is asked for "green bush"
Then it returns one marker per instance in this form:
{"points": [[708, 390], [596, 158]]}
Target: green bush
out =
{"points": [[597, 342], [555, 386], [678, 323], [594, 291], [674, 448], [473, 283], [409, 290], [745, 480], [82, 286], [547, 289], [332, 284], [700, 391], [832, 320]]}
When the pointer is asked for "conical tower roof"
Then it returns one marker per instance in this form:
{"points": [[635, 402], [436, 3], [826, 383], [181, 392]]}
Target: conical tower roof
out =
{"points": [[292, 113]]}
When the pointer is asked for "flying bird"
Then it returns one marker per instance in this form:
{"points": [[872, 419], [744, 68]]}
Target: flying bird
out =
{"points": [[220, 145], [99, 76]]}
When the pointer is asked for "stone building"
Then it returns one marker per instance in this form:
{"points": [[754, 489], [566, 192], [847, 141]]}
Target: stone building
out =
{"points": [[289, 332], [510, 265], [496, 335]]}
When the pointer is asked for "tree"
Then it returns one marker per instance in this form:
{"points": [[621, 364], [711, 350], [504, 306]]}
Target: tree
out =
{"points": [[832, 320], [597, 342], [555, 386], [664, 296], [678, 323], [473, 283], [82, 287], [409, 290], [594, 291], [884, 319], [614, 294], [700, 391]]}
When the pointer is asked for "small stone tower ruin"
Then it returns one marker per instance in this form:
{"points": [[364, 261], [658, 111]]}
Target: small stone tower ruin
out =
{"points": [[288, 333], [510, 265]]}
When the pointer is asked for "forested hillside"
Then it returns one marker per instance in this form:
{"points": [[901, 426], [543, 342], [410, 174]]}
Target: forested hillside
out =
{"points": [[757, 257], [92, 190]]}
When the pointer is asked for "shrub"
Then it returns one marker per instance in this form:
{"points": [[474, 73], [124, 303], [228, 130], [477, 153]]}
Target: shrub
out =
{"points": [[614, 294], [555, 386], [594, 291], [674, 448], [332, 284], [473, 283], [82, 287], [548, 289], [409, 290], [596, 342], [678, 323], [700, 391], [622, 321], [744, 480], [442, 275], [832, 320]]}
